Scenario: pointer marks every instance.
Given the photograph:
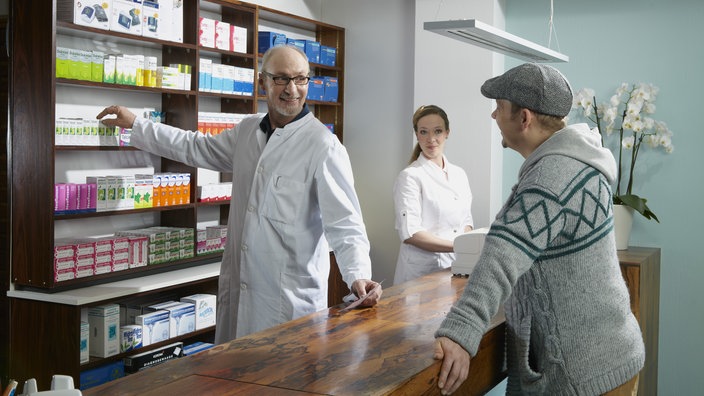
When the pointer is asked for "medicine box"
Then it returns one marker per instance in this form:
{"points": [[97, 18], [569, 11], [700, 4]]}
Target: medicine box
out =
{"points": [[204, 309], [96, 66], [328, 55], [87, 13], [126, 16], [206, 32], [155, 326], [312, 50], [331, 89], [85, 333], [151, 19], [238, 39], [157, 356], [222, 35], [62, 62], [316, 88], [182, 318], [205, 74], [109, 64], [104, 321], [102, 374], [301, 44], [270, 39], [130, 337], [171, 21], [196, 347]]}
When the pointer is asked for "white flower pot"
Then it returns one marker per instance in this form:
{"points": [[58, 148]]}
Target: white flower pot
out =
{"points": [[623, 221]]}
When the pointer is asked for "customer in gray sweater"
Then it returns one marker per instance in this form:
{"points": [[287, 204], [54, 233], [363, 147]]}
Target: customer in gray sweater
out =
{"points": [[549, 257]]}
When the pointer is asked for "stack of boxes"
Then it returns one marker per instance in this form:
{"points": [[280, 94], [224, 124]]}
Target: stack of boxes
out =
{"points": [[82, 257], [148, 18], [227, 79], [165, 244], [215, 192], [211, 239], [75, 131], [221, 35], [123, 192], [70, 198], [216, 123], [125, 69]]}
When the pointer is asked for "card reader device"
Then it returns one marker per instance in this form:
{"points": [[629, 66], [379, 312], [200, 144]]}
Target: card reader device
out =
{"points": [[468, 248]]}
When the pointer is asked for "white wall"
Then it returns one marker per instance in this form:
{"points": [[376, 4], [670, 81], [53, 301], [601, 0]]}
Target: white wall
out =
{"points": [[449, 73], [378, 106]]}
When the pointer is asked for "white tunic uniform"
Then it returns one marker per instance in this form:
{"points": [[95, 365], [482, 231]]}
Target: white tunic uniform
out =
{"points": [[289, 197], [428, 199]]}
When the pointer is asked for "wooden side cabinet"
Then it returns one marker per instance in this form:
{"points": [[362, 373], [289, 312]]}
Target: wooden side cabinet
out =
{"points": [[640, 267]]}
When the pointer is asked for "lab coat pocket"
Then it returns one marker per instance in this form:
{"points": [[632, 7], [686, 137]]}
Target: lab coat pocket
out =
{"points": [[284, 199], [300, 295]]}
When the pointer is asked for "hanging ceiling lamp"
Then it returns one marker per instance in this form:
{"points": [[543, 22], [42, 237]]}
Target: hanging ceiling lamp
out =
{"points": [[480, 34], [486, 36]]}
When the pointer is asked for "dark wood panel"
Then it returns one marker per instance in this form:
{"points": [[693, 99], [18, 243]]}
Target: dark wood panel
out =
{"points": [[4, 211], [45, 341], [337, 288], [32, 123]]}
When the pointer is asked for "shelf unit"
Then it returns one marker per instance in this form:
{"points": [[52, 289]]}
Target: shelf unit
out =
{"points": [[45, 314]]}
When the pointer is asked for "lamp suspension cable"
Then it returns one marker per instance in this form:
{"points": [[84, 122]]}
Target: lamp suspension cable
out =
{"points": [[551, 27]]}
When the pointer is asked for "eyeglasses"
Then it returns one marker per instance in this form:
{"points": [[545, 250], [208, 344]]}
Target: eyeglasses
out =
{"points": [[283, 80]]}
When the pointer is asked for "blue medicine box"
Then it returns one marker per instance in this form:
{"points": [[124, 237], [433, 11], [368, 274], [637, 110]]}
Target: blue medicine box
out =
{"points": [[316, 88], [331, 89], [328, 55], [102, 374], [331, 127], [270, 39], [312, 49], [298, 43]]}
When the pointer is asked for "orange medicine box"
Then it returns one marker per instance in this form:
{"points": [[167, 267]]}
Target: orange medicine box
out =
{"points": [[186, 188]]}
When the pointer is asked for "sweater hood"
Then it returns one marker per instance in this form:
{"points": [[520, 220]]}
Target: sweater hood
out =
{"points": [[579, 142]]}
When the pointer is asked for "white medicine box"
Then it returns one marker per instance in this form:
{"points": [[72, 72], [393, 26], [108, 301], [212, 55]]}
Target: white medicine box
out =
{"points": [[155, 326], [104, 324], [95, 14], [127, 16], [204, 309], [85, 333], [151, 23]]}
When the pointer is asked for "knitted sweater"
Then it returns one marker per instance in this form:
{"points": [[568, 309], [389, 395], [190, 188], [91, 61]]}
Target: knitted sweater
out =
{"points": [[550, 258]]}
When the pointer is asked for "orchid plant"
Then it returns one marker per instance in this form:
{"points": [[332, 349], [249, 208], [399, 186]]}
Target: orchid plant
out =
{"points": [[628, 113]]}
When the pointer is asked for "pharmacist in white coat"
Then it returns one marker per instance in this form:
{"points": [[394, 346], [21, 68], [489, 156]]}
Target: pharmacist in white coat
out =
{"points": [[293, 200], [432, 199]]}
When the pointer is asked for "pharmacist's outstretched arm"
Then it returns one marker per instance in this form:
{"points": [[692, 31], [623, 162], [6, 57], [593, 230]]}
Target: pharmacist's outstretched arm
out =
{"points": [[124, 118]]}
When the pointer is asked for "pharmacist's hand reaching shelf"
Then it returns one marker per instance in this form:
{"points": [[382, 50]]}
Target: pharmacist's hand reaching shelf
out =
{"points": [[123, 117]]}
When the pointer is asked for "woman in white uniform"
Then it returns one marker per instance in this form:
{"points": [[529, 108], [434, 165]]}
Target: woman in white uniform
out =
{"points": [[432, 200]]}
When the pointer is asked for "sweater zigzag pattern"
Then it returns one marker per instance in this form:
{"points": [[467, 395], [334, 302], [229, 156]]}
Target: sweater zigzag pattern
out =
{"points": [[580, 215]]}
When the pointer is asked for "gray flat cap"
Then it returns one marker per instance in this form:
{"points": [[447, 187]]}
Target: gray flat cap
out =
{"points": [[534, 86]]}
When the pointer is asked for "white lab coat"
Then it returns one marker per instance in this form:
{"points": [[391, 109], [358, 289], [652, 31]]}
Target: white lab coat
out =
{"points": [[426, 200], [289, 197]]}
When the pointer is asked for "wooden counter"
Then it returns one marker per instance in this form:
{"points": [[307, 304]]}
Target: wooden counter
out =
{"points": [[384, 350]]}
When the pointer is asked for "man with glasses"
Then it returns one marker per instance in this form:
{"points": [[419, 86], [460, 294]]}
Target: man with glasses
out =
{"points": [[293, 200]]}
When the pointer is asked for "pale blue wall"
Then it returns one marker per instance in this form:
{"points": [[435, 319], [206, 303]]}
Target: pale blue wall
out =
{"points": [[656, 41]]}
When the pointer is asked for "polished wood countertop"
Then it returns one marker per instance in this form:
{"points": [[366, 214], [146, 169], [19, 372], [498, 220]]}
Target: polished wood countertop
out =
{"points": [[383, 350]]}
